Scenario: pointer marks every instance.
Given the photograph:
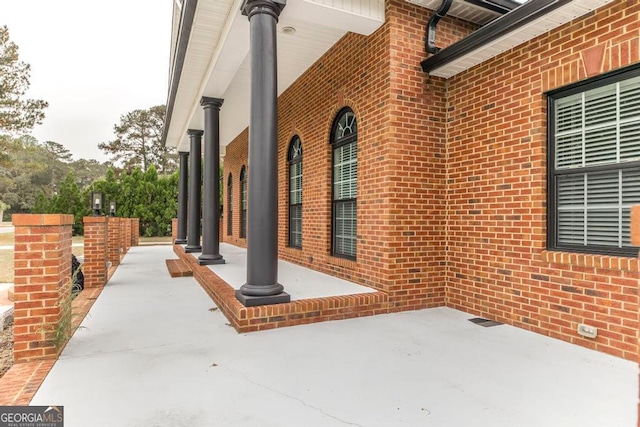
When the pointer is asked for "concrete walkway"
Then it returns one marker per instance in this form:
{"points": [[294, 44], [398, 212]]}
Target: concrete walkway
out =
{"points": [[155, 352]]}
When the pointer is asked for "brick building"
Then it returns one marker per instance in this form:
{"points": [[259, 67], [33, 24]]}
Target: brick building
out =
{"points": [[494, 174]]}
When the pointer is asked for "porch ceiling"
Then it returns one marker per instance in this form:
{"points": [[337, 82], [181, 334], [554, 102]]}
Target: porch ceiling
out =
{"points": [[557, 16], [461, 9], [216, 61]]}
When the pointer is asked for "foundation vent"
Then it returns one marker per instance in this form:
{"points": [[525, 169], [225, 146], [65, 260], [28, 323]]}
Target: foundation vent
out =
{"points": [[484, 322]]}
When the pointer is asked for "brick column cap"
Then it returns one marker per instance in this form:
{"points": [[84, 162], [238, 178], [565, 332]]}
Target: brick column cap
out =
{"points": [[20, 220], [94, 219]]}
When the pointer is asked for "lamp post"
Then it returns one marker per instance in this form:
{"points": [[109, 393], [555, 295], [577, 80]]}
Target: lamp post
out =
{"points": [[112, 208], [96, 203]]}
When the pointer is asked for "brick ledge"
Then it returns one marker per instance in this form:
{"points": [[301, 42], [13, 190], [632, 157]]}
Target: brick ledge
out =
{"points": [[590, 260], [249, 319]]}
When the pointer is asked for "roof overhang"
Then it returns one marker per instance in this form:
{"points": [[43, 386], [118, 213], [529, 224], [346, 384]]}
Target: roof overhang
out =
{"points": [[210, 55], [533, 18]]}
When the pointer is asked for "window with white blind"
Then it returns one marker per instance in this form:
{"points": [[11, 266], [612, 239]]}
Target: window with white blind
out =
{"points": [[594, 164], [243, 202], [230, 205], [295, 192], [344, 137]]}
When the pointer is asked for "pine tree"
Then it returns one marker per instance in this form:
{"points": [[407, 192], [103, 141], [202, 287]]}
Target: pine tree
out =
{"points": [[17, 114]]}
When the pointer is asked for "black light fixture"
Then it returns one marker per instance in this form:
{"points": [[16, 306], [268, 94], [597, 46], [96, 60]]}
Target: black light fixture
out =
{"points": [[96, 203], [112, 208]]}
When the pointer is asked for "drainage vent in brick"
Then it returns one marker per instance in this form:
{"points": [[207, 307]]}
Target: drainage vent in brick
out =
{"points": [[484, 322]]}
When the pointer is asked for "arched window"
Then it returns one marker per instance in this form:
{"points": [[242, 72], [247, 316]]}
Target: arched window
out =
{"points": [[230, 205], [295, 192], [344, 136], [243, 202]]}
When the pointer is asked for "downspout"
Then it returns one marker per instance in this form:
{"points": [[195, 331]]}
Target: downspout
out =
{"points": [[430, 38]]}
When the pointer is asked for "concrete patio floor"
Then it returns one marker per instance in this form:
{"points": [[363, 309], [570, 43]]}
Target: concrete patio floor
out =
{"points": [[152, 352]]}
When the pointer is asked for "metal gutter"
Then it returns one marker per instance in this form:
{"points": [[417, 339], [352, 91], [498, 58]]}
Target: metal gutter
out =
{"points": [[186, 23], [513, 20]]}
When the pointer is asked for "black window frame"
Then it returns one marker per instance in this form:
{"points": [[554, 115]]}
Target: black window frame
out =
{"points": [[335, 144], [243, 202], [553, 174], [230, 205], [294, 158]]}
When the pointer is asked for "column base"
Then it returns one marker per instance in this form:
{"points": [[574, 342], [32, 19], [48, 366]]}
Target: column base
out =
{"points": [[192, 248], [206, 259], [253, 301], [180, 241]]}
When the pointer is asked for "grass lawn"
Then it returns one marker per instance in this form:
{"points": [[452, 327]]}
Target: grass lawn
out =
{"points": [[6, 266]]}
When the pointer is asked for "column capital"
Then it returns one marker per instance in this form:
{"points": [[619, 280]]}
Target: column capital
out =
{"points": [[183, 153], [271, 7], [195, 132], [208, 102]]}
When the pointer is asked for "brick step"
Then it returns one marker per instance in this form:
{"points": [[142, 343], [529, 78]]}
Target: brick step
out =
{"points": [[178, 268]]}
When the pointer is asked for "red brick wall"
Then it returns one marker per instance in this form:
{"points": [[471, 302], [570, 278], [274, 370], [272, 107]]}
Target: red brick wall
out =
{"points": [[452, 175], [235, 157], [174, 229], [135, 231], [96, 235], [113, 244], [635, 225], [498, 265], [42, 284], [390, 100]]}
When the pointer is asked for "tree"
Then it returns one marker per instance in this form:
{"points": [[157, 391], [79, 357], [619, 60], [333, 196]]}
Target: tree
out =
{"points": [[88, 171], [3, 207], [29, 168], [59, 159], [16, 113], [67, 200], [143, 195], [139, 142]]}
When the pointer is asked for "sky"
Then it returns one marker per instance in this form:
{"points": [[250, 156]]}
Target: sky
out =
{"points": [[92, 61]]}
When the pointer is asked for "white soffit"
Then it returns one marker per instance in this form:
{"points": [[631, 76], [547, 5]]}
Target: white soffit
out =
{"points": [[461, 9], [206, 34], [220, 69], [554, 19]]}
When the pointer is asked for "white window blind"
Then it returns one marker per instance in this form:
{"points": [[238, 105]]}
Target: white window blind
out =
{"points": [[295, 226], [345, 184], [243, 202], [345, 228], [345, 172], [295, 183], [295, 204], [597, 136]]}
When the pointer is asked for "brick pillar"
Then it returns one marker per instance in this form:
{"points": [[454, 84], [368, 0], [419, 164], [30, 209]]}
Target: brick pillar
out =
{"points": [[127, 234], [135, 231], [123, 237], [42, 285], [113, 244], [174, 229], [96, 235]]}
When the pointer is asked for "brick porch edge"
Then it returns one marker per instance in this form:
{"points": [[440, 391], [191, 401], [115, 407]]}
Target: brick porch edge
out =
{"points": [[250, 319]]}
